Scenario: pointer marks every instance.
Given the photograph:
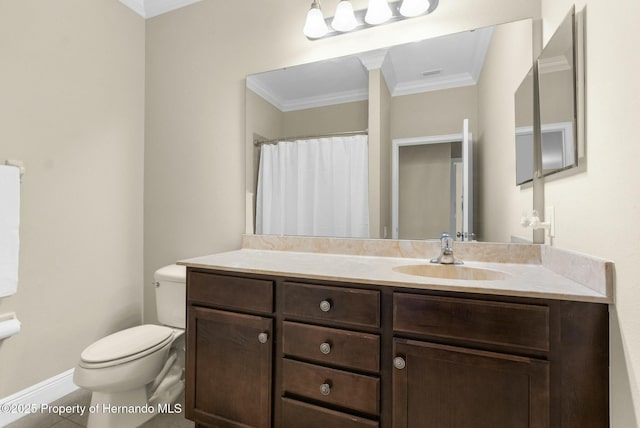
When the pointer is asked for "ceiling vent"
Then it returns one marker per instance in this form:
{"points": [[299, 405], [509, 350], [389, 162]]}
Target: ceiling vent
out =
{"points": [[430, 73]]}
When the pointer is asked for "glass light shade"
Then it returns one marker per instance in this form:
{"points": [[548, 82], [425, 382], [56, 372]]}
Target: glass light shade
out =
{"points": [[315, 27], [344, 19], [378, 12], [412, 8]]}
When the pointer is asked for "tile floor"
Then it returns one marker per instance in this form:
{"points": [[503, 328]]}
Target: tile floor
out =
{"points": [[83, 398]]}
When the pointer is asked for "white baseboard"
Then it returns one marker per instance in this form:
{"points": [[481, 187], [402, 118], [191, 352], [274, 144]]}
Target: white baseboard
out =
{"points": [[45, 392]]}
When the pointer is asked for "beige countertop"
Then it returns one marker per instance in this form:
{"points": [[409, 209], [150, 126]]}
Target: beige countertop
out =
{"points": [[521, 279]]}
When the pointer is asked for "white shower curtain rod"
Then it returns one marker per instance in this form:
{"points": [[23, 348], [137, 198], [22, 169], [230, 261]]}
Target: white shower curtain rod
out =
{"points": [[259, 142]]}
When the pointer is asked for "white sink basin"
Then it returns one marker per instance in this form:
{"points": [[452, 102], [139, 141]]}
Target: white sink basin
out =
{"points": [[452, 272]]}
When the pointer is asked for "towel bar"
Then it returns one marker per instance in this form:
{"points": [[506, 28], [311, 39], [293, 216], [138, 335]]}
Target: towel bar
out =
{"points": [[18, 164]]}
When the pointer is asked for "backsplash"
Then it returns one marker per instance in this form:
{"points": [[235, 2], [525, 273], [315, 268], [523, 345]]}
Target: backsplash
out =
{"points": [[595, 273], [415, 249]]}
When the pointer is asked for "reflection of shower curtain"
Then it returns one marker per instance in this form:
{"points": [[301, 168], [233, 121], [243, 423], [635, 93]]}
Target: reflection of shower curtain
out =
{"points": [[314, 187]]}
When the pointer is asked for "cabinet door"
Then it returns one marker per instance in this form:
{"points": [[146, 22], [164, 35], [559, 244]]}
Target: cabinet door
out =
{"points": [[229, 363], [436, 386]]}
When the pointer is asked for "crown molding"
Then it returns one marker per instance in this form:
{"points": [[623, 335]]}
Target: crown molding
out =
{"points": [[265, 93], [327, 100], [150, 8], [482, 47], [307, 102], [433, 84], [406, 88]]}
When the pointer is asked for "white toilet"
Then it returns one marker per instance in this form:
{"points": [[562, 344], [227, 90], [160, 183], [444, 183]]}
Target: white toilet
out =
{"points": [[134, 372]]}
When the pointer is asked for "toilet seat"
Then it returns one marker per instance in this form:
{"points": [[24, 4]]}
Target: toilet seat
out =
{"points": [[126, 345]]}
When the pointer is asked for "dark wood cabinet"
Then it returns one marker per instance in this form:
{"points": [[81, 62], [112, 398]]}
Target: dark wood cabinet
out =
{"points": [[278, 352], [445, 386], [229, 362]]}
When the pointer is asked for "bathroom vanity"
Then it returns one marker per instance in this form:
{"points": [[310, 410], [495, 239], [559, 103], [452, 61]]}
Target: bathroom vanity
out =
{"points": [[308, 346]]}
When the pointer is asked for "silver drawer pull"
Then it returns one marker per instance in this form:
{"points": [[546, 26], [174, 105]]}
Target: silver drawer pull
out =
{"points": [[325, 306], [399, 363], [263, 337], [325, 389], [325, 348]]}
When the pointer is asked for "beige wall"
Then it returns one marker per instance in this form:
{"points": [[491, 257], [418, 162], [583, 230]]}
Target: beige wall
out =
{"points": [[499, 202], [434, 113], [597, 210], [322, 120], [385, 159], [72, 109], [266, 121], [424, 198], [379, 156]]}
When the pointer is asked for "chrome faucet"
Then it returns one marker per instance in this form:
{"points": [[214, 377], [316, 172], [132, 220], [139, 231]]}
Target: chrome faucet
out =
{"points": [[446, 256]]}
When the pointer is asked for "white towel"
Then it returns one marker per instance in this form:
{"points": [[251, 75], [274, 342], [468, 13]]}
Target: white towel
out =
{"points": [[9, 227]]}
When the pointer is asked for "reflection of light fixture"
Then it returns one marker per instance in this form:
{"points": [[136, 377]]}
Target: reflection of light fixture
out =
{"points": [[344, 20], [412, 8], [315, 26], [379, 12]]}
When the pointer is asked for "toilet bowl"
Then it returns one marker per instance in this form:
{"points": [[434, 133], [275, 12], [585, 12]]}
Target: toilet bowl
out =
{"points": [[134, 372]]}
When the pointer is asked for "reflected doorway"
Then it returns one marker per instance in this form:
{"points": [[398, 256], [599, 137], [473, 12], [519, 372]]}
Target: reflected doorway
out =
{"points": [[430, 178]]}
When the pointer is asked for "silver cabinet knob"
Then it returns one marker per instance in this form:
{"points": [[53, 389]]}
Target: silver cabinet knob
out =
{"points": [[263, 337], [325, 306], [399, 363], [325, 389], [325, 348]]}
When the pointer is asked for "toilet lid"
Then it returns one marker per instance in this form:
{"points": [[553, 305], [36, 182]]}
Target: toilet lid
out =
{"points": [[125, 343], [171, 273]]}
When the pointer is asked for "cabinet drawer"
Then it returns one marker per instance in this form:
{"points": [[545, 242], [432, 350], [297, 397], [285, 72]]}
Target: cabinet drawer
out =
{"points": [[332, 346], [344, 305], [230, 291], [505, 324], [296, 414], [348, 390]]}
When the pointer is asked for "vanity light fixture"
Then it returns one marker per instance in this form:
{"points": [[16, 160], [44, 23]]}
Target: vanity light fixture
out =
{"points": [[378, 12], [344, 20], [411, 8], [315, 25]]}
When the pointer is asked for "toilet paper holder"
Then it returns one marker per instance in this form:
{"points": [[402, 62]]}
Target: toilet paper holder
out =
{"points": [[9, 325]]}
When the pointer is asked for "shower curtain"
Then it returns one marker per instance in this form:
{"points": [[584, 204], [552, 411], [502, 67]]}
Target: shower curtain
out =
{"points": [[314, 187]]}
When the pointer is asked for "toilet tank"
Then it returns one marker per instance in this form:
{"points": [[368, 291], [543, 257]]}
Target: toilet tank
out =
{"points": [[171, 290]]}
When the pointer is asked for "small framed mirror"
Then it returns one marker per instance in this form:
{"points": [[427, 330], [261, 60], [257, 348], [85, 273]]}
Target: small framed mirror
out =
{"points": [[557, 97], [557, 78]]}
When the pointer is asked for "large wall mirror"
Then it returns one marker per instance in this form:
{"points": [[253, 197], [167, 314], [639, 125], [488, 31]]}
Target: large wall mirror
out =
{"points": [[429, 88]]}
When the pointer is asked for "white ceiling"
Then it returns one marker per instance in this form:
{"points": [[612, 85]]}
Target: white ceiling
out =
{"points": [[448, 62], [151, 8]]}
